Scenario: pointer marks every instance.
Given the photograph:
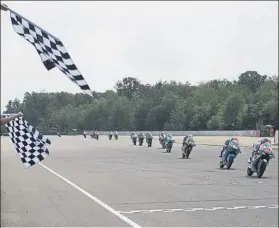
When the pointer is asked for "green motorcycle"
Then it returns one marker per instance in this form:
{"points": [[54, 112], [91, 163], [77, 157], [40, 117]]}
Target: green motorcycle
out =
{"points": [[169, 143]]}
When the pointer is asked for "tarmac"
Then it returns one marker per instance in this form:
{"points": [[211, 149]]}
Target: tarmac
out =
{"points": [[90, 183]]}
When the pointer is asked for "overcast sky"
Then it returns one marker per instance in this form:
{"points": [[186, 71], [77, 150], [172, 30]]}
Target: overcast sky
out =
{"points": [[182, 41]]}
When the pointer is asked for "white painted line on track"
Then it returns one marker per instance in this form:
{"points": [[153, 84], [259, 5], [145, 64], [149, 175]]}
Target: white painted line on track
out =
{"points": [[199, 209], [214, 208], [110, 209], [256, 207], [236, 208]]}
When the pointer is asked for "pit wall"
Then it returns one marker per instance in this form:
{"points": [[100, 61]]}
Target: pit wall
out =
{"points": [[195, 133]]}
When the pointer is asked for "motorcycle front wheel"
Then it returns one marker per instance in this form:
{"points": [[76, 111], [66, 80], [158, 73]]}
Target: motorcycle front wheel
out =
{"points": [[230, 162], [261, 169], [188, 153]]}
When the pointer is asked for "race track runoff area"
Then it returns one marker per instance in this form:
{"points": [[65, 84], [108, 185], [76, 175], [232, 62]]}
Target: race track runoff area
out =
{"points": [[85, 182]]}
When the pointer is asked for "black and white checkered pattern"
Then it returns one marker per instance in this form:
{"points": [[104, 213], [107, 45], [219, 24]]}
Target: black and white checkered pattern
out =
{"points": [[50, 49], [28, 142]]}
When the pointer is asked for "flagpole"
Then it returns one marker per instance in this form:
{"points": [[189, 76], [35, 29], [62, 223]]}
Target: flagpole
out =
{"points": [[5, 115], [8, 114], [4, 7], [18, 20]]}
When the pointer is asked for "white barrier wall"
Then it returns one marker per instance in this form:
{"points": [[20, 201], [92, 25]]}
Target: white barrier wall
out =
{"points": [[276, 138], [195, 133]]}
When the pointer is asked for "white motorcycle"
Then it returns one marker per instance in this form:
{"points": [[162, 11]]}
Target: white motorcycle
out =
{"points": [[260, 160]]}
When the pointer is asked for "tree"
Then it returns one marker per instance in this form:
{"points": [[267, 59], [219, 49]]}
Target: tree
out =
{"points": [[213, 105], [248, 116], [216, 123], [13, 106], [232, 108], [128, 87], [157, 118], [252, 80]]}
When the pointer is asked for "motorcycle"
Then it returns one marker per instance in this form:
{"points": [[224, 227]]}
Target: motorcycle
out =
{"points": [[229, 155], [169, 143], [162, 142], [146, 138], [149, 142], [134, 139], [187, 148], [260, 160], [141, 140]]}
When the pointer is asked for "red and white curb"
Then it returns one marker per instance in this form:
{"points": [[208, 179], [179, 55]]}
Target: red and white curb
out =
{"points": [[199, 209]]}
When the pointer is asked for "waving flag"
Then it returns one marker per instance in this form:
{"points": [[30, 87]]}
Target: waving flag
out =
{"points": [[28, 142], [50, 49]]}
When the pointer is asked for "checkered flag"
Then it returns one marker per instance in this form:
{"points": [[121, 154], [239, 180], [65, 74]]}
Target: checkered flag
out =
{"points": [[50, 49], [28, 142]]}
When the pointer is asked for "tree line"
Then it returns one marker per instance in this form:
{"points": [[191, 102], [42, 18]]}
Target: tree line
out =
{"points": [[213, 105]]}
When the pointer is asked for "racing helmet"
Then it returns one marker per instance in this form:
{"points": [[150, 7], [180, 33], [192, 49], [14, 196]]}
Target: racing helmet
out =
{"points": [[265, 140]]}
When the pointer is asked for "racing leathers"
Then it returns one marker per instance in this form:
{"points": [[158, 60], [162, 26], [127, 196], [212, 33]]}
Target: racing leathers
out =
{"points": [[257, 146], [184, 140], [148, 136], [226, 145], [162, 137]]}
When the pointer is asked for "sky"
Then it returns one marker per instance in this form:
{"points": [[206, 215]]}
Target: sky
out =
{"points": [[152, 41]]}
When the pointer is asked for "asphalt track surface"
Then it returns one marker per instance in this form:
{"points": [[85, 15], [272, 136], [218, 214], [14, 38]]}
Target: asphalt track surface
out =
{"points": [[105, 183]]}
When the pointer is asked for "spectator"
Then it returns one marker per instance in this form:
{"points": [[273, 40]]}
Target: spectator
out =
{"points": [[271, 132]]}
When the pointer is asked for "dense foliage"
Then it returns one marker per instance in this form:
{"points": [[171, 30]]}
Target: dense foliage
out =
{"points": [[213, 105]]}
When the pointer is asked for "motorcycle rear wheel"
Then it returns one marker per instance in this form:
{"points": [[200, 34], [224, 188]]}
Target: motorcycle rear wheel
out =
{"points": [[249, 172]]}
